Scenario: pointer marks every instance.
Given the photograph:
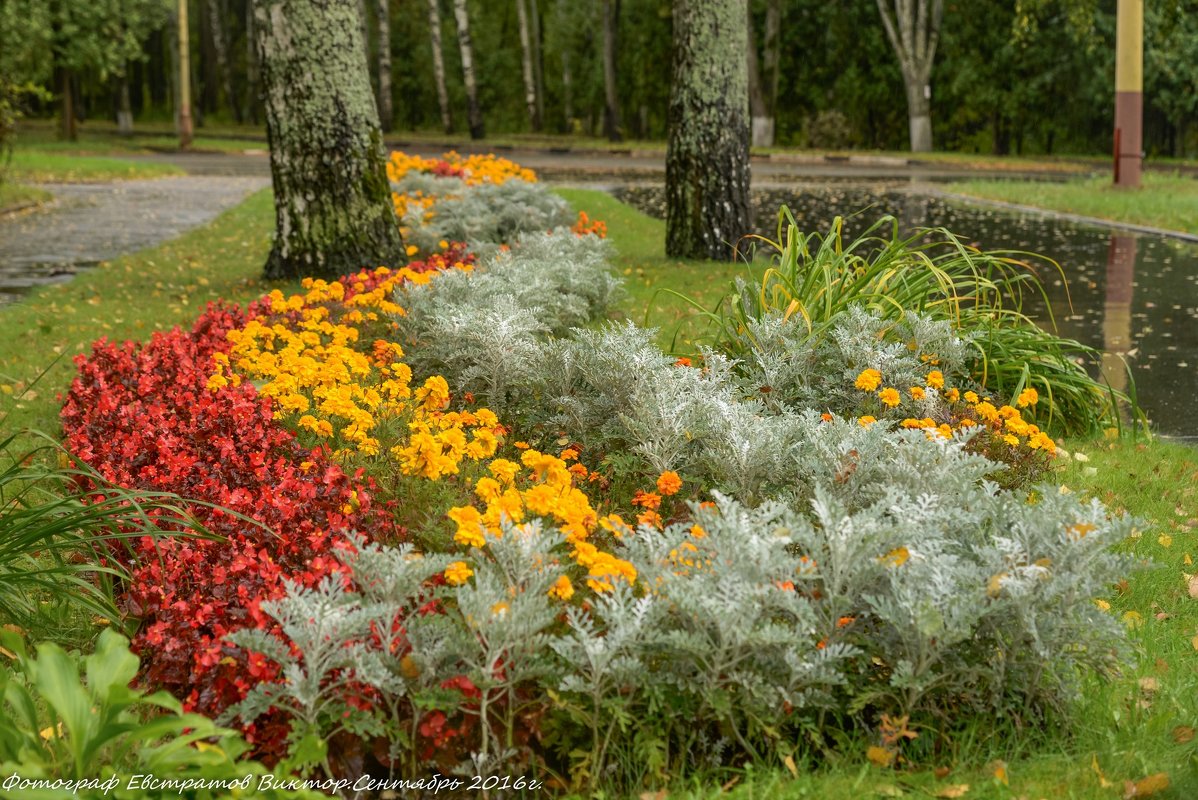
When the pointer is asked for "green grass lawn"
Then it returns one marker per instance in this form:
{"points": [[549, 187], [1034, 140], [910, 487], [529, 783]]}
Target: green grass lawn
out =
{"points": [[16, 195], [35, 166], [1164, 201], [1132, 726]]}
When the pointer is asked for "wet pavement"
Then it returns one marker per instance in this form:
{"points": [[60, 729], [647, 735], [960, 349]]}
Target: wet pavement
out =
{"points": [[1133, 296], [90, 223]]}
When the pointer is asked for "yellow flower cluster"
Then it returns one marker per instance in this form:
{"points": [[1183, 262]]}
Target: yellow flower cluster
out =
{"points": [[474, 170], [542, 485], [1006, 421], [311, 361]]}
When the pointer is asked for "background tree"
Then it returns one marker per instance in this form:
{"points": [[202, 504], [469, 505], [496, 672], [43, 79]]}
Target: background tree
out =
{"points": [[434, 35], [474, 114], [764, 74], [382, 10], [611, 100], [707, 156], [531, 90], [913, 28], [333, 210]]}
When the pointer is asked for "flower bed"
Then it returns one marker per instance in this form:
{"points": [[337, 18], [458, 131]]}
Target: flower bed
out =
{"points": [[429, 562]]}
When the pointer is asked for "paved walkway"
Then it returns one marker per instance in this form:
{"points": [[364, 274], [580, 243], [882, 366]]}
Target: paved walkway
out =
{"points": [[89, 223]]}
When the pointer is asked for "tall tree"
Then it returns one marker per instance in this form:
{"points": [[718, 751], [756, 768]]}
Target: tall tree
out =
{"points": [[434, 35], [611, 97], [707, 156], [474, 114], [333, 210], [913, 28], [382, 10], [220, 44], [538, 57], [530, 79], [763, 75]]}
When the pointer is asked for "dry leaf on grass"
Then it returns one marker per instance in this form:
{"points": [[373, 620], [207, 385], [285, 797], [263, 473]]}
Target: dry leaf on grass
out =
{"points": [[956, 790], [1145, 787]]}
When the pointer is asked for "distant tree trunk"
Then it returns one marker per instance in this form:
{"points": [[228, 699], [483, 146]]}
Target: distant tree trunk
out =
{"points": [[611, 100], [124, 111], [913, 28], [386, 107], [530, 80], [474, 115], [707, 155], [333, 209], [770, 63], [434, 32], [253, 100], [762, 120], [538, 58], [68, 127], [221, 47], [567, 92]]}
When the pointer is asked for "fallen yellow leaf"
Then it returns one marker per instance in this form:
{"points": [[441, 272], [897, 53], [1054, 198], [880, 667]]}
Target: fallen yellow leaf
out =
{"points": [[1102, 781], [999, 770], [880, 755], [1146, 787], [1193, 586], [790, 765], [1183, 734], [956, 790], [1132, 619], [1165, 540]]}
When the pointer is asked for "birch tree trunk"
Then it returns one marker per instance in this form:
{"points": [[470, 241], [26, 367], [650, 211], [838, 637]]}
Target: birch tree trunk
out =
{"points": [[707, 156], [474, 115], [611, 105], [913, 28], [538, 58], [530, 81], [333, 210], [386, 107], [762, 120], [124, 112], [434, 33]]}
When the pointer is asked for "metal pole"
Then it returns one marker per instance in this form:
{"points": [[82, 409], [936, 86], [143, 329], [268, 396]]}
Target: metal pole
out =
{"points": [[1129, 92], [185, 127]]}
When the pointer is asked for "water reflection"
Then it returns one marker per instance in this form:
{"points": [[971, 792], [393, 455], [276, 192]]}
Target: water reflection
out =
{"points": [[1133, 297]]}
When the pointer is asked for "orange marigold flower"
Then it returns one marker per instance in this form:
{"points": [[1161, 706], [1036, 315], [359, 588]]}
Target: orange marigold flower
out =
{"points": [[917, 392], [578, 470], [520, 445], [562, 589], [866, 421], [826, 417], [648, 500], [890, 397], [936, 379], [650, 518], [844, 622], [668, 483], [1028, 397], [683, 362]]}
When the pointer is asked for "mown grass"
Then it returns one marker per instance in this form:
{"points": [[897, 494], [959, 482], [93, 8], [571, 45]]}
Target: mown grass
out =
{"points": [[1164, 201], [35, 166], [16, 195]]}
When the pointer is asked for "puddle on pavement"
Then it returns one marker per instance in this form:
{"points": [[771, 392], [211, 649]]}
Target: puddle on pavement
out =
{"points": [[17, 278], [1134, 296]]}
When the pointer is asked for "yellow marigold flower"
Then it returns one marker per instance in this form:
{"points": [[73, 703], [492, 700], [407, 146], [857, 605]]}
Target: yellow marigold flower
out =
{"points": [[869, 380], [412, 250], [953, 394], [500, 609], [458, 573], [614, 524], [966, 423], [697, 531], [936, 379], [890, 397], [971, 397], [217, 382], [917, 392], [866, 421], [896, 557], [504, 470], [1008, 412], [1011, 439], [520, 445], [1078, 531], [987, 411], [911, 422], [1028, 397], [562, 589], [469, 533], [487, 489]]}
